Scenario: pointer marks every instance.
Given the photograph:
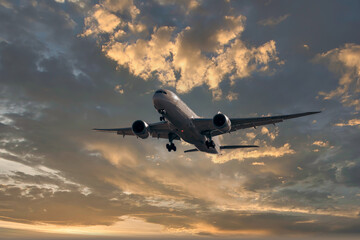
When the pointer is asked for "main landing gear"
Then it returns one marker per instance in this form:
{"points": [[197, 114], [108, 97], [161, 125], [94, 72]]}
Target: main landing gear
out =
{"points": [[209, 143], [171, 146]]}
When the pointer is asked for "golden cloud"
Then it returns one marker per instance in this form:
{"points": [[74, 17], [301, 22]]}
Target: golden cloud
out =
{"points": [[101, 21], [271, 135], [321, 143], [345, 62], [121, 7], [258, 163], [166, 52], [267, 151], [352, 122], [250, 135], [114, 154]]}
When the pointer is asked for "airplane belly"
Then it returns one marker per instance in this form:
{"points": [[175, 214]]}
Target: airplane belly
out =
{"points": [[191, 136], [183, 124], [203, 148], [180, 116]]}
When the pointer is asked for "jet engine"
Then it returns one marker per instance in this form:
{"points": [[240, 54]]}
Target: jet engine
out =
{"points": [[141, 129], [222, 122]]}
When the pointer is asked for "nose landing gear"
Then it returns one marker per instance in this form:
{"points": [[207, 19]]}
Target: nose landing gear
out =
{"points": [[162, 112]]}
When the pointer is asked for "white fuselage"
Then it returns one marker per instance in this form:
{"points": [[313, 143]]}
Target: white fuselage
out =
{"points": [[179, 117]]}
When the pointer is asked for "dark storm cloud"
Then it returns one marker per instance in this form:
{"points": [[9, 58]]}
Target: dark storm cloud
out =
{"points": [[56, 86], [351, 175]]}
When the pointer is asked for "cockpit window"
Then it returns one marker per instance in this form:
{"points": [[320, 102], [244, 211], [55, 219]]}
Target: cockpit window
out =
{"points": [[161, 91]]}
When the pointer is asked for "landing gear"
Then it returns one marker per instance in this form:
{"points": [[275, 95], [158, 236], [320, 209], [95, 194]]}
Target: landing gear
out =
{"points": [[170, 147], [210, 144], [162, 112]]}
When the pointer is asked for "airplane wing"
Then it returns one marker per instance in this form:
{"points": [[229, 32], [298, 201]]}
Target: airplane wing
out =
{"points": [[205, 125], [157, 130]]}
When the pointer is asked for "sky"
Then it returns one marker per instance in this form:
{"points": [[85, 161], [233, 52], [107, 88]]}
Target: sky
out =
{"points": [[69, 66]]}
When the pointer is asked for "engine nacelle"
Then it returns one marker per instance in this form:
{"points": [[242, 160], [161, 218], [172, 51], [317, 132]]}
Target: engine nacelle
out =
{"points": [[222, 122], [141, 129]]}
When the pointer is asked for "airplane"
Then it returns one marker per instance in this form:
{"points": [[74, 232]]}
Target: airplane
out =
{"points": [[178, 122]]}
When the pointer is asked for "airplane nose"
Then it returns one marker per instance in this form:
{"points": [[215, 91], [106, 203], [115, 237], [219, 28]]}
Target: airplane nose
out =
{"points": [[155, 96], [156, 99], [159, 98]]}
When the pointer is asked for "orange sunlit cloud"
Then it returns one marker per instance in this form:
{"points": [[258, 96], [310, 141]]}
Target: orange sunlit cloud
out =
{"points": [[67, 67]]}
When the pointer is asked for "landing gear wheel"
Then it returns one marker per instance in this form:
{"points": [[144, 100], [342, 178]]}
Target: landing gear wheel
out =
{"points": [[171, 147], [162, 118], [210, 144]]}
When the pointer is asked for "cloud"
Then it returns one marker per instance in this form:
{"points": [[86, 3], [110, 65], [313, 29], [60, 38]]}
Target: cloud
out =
{"points": [[344, 62], [186, 5], [350, 174], [273, 21], [181, 57], [63, 207], [102, 21], [250, 135], [264, 151], [351, 122], [59, 176], [258, 163], [231, 96], [125, 6], [144, 57], [321, 143], [271, 135]]}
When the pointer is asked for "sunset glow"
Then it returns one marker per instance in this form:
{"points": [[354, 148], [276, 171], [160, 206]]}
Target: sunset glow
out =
{"points": [[68, 66]]}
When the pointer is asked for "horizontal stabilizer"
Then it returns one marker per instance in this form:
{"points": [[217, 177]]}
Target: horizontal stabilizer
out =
{"points": [[191, 150], [107, 129], [225, 147], [237, 146]]}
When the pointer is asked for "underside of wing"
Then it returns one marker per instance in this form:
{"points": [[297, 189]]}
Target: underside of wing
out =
{"points": [[165, 135], [120, 131], [241, 123], [206, 126], [157, 130]]}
